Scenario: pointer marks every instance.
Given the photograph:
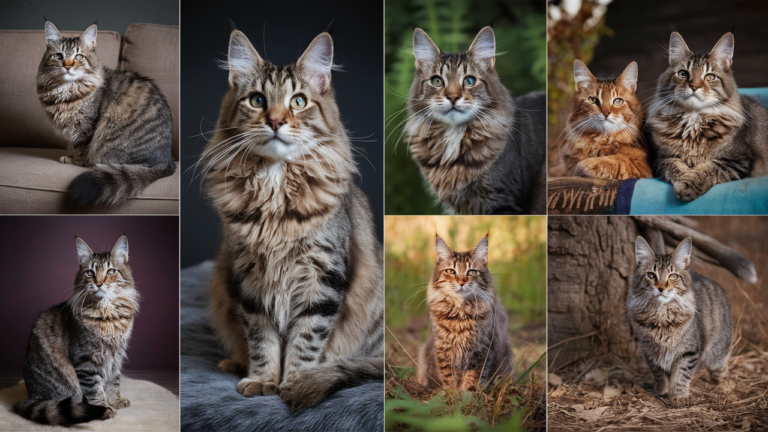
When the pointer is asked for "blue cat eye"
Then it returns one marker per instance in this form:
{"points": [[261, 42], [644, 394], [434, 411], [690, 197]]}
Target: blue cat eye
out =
{"points": [[258, 101], [682, 73], [470, 81]]}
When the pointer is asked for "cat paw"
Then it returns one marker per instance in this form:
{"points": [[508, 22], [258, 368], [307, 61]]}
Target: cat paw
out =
{"points": [[65, 160], [250, 387], [109, 413], [232, 366], [688, 190], [122, 403], [298, 396]]}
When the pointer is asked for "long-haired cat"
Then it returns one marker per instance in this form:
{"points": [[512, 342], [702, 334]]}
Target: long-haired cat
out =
{"points": [[467, 344], [481, 151], [604, 138], [76, 348], [704, 131], [682, 320], [297, 292], [118, 120]]}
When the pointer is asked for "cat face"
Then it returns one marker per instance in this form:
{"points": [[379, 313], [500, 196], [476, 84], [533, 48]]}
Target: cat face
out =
{"points": [[455, 88], [282, 112], [664, 277], [604, 105], [695, 80], [462, 273], [67, 60], [103, 276]]}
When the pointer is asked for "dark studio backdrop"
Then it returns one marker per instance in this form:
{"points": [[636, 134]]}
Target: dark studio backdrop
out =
{"points": [[280, 32], [38, 264], [78, 15]]}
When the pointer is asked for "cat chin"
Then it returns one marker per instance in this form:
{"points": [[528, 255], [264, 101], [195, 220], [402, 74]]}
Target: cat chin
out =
{"points": [[694, 102], [455, 118], [279, 150], [68, 77]]}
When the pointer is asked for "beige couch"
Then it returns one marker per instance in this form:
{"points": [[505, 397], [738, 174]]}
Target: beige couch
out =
{"points": [[32, 181]]}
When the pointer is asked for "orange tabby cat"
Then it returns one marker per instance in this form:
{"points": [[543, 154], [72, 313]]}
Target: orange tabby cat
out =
{"points": [[604, 129]]}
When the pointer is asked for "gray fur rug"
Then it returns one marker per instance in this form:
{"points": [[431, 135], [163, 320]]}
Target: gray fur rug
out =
{"points": [[209, 401]]}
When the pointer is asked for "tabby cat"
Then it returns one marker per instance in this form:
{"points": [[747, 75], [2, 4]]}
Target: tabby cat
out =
{"points": [[118, 120], [297, 292], [704, 131], [481, 151], [681, 319], [76, 348], [467, 344], [604, 137]]}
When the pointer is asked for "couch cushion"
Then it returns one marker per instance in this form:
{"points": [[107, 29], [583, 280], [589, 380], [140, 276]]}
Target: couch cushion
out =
{"points": [[22, 119], [153, 50], [32, 181]]}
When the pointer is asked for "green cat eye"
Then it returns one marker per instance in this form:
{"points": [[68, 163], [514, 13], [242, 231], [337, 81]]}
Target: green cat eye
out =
{"points": [[90, 274], [651, 276], [258, 101], [450, 271], [682, 73], [618, 102], [299, 102], [470, 81], [710, 77], [473, 273], [79, 57], [111, 272], [436, 81], [592, 99]]}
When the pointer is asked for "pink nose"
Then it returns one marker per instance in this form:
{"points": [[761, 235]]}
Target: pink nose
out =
{"points": [[275, 123]]}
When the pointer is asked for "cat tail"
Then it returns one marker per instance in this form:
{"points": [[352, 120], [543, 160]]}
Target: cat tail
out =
{"points": [[59, 412], [112, 184], [317, 383]]}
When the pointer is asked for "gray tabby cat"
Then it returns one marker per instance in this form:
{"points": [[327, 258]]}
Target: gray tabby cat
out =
{"points": [[705, 133], [118, 120], [682, 319], [298, 295], [481, 151], [76, 348]]}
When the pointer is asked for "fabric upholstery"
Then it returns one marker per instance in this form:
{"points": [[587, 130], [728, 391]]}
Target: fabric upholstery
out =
{"points": [[33, 181], [23, 122], [153, 50]]}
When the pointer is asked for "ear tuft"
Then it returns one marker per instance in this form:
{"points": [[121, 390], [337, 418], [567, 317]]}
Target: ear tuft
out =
{"points": [[88, 38], [317, 62], [628, 78], [119, 253], [52, 35], [723, 50], [581, 75], [483, 48], [443, 253], [84, 253], [681, 257], [425, 51], [678, 50], [480, 251], [242, 58], [643, 252]]}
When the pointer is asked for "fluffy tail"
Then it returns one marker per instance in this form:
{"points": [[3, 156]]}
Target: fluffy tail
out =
{"points": [[113, 184], [318, 383], [62, 412]]}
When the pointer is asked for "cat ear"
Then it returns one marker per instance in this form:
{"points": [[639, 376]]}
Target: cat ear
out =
{"points": [[242, 58], [317, 61], [84, 253], [643, 252], [480, 251], [52, 35], [681, 257], [628, 78], [723, 50], [119, 253], [677, 48], [581, 75], [425, 51], [442, 251], [483, 48], [88, 38]]}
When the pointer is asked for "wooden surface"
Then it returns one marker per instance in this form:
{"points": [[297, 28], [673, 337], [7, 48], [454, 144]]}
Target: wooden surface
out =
{"points": [[168, 379]]}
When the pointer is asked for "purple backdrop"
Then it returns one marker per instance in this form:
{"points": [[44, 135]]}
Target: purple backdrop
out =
{"points": [[38, 264]]}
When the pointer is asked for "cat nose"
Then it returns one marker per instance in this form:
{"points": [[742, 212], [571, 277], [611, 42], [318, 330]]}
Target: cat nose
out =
{"points": [[693, 87], [275, 122], [453, 99], [99, 284], [68, 64]]}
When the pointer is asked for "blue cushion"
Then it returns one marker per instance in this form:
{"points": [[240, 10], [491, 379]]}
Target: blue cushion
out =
{"points": [[742, 197]]}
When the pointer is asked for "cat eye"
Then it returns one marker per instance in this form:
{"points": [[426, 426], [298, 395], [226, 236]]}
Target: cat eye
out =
{"points": [[673, 277], [299, 102], [450, 271], [59, 56], [79, 57], [592, 99], [470, 81], [710, 77], [682, 73], [651, 276], [111, 272], [258, 101], [436, 81], [90, 274], [473, 273], [618, 102]]}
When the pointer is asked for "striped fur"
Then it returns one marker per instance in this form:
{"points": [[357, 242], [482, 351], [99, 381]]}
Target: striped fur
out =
{"points": [[603, 138], [118, 120], [680, 318], [481, 151], [297, 294], [467, 344], [76, 348], [704, 132]]}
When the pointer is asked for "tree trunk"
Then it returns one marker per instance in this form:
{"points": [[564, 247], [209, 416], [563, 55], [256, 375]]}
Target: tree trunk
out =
{"points": [[590, 262]]}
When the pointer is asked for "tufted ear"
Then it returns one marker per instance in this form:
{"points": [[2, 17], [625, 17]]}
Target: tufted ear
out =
{"points": [[317, 62], [678, 50], [628, 78], [119, 253], [88, 38], [581, 75], [425, 51], [643, 252], [723, 51], [480, 251], [242, 58], [681, 257], [483, 48], [442, 252], [84, 253], [52, 35]]}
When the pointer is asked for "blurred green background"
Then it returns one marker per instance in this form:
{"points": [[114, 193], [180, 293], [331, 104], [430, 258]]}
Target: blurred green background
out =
{"points": [[521, 44]]}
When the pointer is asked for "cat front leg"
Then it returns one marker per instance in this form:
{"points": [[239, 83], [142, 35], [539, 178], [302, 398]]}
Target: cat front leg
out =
{"points": [[470, 380], [93, 386], [660, 378], [681, 375], [263, 377], [113, 395]]}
